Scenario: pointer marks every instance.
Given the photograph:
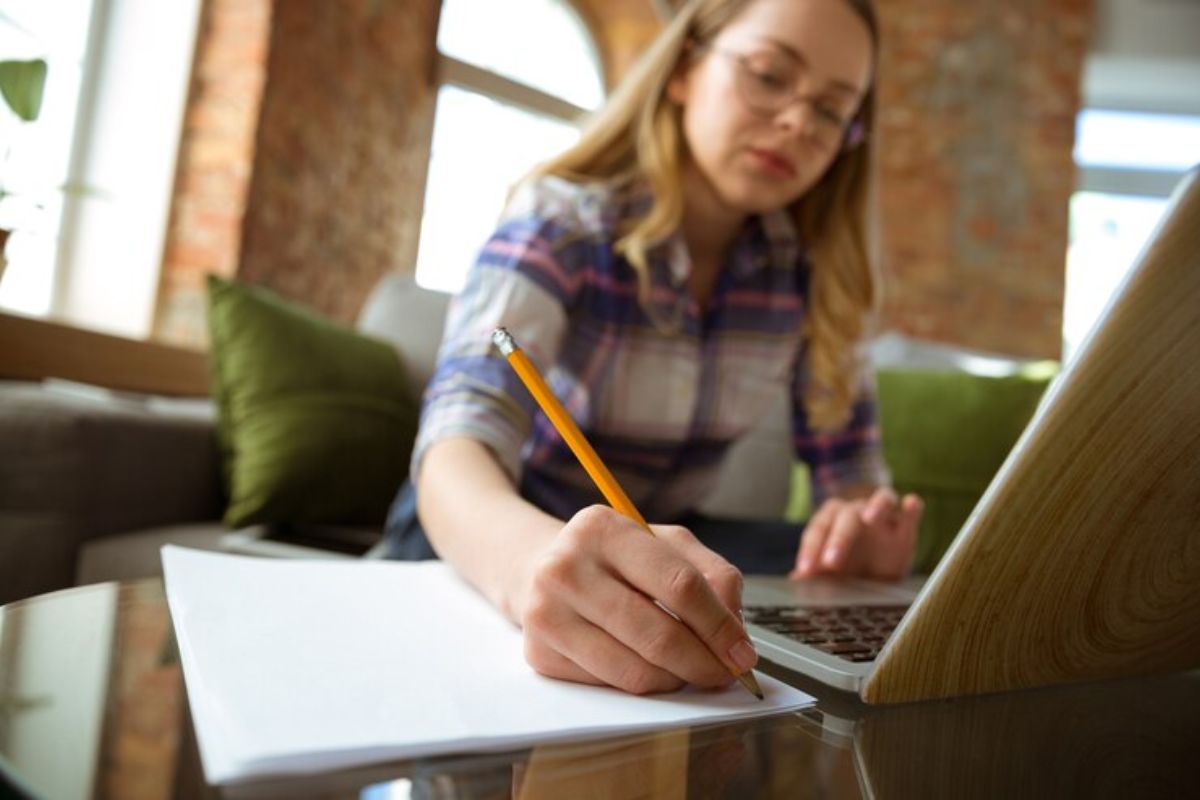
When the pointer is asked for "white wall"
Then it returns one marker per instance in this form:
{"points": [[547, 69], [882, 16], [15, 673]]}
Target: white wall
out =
{"points": [[1145, 55]]}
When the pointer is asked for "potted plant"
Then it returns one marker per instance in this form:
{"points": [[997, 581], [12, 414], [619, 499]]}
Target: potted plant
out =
{"points": [[21, 85]]}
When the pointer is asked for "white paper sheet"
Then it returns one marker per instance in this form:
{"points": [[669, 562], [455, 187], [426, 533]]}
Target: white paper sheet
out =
{"points": [[297, 666]]}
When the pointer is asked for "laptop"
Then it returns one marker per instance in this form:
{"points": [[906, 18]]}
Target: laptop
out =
{"points": [[1081, 560]]}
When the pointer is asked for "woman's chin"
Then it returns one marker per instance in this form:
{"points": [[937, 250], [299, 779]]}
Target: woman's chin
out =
{"points": [[755, 194], [759, 200]]}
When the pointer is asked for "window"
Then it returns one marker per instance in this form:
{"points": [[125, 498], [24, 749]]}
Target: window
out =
{"points": [[1127, 140], [34, 155], [1129, 162], [103, 157], [516, 77]]}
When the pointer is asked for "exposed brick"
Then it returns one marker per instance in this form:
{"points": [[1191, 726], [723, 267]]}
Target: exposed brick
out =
{"points": [[214, 165], [979, 103], [346, 119]]}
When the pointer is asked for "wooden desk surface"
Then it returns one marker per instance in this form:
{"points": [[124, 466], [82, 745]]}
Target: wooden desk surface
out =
{"points": [[92, 704]]}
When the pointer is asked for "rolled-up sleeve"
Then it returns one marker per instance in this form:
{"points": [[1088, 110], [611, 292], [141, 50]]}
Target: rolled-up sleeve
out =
{"points": [[850, 457], [521, 281]]}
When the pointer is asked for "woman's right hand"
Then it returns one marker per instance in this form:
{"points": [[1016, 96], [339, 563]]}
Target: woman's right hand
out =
{"points": [[589, 608]]}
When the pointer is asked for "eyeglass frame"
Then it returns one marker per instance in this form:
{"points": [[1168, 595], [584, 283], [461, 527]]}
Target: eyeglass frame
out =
{"points": [[854, 130]]}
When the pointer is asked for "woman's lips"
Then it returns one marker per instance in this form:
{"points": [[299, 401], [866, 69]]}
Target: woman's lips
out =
{"points": [[775, 163]]}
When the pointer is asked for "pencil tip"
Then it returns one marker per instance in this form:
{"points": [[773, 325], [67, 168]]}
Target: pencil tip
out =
{"points": [[748, 680]]}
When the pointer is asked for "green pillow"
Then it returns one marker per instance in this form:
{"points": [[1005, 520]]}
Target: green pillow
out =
{"points": [[315, 422], [946, 433], [799, 506]]}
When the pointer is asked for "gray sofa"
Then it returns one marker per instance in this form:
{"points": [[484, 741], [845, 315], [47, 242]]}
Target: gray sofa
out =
{"points": [[93, 482]]}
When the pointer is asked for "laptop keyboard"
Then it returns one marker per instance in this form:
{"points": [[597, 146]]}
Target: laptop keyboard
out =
{"points": [[855, 633]]}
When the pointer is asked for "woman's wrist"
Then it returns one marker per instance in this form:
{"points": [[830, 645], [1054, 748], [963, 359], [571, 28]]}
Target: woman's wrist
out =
{"points": [[522, 533], [516, 577]]}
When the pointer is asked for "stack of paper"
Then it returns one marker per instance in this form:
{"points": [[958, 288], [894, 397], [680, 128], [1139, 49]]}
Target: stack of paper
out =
{"points": [[303, 666]]}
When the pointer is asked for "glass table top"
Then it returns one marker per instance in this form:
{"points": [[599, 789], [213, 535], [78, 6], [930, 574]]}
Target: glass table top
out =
{"points": [[93, 704]]}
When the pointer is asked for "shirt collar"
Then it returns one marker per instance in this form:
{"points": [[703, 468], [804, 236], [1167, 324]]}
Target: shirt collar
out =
{"points": [[766, 240]]}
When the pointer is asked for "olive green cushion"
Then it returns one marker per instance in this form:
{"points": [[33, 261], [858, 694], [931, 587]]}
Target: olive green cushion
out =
{"points": [[315, 422], [945, 435], [799, 505]]}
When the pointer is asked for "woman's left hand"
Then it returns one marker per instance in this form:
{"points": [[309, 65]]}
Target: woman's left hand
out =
{"points": [[869, 538]]}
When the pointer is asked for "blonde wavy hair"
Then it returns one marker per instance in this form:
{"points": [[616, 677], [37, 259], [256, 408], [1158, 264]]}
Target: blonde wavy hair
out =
{"points": [[638, 136]]}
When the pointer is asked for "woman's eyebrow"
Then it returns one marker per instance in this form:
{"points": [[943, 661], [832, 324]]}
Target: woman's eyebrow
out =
{"points": [[799, 57]]}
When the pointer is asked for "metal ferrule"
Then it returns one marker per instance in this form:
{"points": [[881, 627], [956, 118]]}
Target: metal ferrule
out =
{"points": [[503, 341]]}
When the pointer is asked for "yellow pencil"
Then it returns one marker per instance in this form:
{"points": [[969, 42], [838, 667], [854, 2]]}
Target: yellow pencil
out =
{"points": [[582, 449]]}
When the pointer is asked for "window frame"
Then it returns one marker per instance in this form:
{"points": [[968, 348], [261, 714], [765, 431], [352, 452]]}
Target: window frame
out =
{"points": [[1141, 182], [1117, 182], [451, 71]]}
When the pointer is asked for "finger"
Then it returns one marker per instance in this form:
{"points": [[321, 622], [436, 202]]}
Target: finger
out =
{"points": [[553, 664], [813, 539], [880, 506], [553, 629], [912, 506], [725, 578], [911, 509], [656, 570], [632, 619], [843, 533], [893, 548]]}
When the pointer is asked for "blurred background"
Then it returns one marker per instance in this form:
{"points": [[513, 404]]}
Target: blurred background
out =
{"points": [[312, 146]]}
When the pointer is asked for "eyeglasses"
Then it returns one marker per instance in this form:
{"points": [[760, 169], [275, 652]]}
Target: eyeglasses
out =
{"points": [[767, 88]]}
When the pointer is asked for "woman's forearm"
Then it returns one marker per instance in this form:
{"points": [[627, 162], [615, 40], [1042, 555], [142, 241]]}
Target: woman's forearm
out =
{"points": [[476, 520]]}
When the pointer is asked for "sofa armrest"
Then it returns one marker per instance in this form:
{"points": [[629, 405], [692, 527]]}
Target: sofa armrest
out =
{"points": [[77, 466], [411, 319]]}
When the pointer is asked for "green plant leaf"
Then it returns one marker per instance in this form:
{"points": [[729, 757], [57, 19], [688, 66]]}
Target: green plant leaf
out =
{"points": [[21, 84]]}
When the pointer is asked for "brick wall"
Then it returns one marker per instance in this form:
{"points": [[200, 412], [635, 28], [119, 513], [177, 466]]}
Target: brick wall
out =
{"points": [[302, 166], [976, 134], [343, 142], [215, 157]]}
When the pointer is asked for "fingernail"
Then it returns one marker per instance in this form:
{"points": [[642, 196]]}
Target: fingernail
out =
{"points": [[805, 563], [742, 654], [831, 556]]}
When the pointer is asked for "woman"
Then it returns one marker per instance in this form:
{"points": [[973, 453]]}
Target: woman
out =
{"points": [[700, 248]]}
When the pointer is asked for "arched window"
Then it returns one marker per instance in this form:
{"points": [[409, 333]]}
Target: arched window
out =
{"points": [[515, 79]]}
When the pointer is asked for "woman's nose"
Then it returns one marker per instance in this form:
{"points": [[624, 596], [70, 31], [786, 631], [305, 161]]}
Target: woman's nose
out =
{"points": [[798, 116]]}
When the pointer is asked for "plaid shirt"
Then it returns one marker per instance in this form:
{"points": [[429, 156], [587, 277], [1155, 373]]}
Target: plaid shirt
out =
{"points": [[661, 403]]}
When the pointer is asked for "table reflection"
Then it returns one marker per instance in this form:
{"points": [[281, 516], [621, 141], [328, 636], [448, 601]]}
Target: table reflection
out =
{"points": [[90, 692]]}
